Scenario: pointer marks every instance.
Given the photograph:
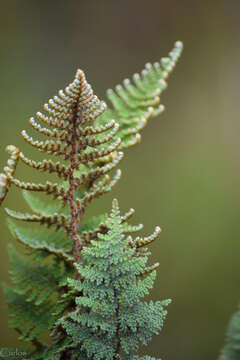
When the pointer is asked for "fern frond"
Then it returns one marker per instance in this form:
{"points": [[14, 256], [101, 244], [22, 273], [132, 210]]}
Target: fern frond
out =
{"points": [[109, 320], [55, 134], [131, 228], [46, 165], [43, 207], [137, 100], [49, 188], [90, 130], [95, 191], [96, 154], [42, 238], [127, 215], [52, 243], [32, 319], [140, 242], [150, 269], [9, 170], [231, 349], [49, 146], [48, 220], [93, 141], [93, 173], [36, 281], [52, 122]]}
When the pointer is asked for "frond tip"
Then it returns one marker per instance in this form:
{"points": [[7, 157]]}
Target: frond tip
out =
{"points": [[9, 170], [149, 239], [137, 99]]}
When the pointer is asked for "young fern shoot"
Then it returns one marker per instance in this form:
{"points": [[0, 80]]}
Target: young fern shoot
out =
{"points": [[110, 320]]}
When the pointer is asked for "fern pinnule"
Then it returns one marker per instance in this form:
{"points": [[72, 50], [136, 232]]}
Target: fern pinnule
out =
{"points": [[140, 242], [9, 170]]}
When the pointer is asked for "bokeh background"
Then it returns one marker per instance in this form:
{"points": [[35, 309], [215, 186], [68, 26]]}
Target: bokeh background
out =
{"points": [[185, 174]]}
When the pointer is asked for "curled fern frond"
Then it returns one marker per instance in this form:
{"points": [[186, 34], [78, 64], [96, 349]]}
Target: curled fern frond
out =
{"points": [[149, 239], [9, 171]]}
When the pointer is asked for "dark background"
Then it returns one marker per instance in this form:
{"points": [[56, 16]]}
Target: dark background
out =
{"points": [[184, 176]]}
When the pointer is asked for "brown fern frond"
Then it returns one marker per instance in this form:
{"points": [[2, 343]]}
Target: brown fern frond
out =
{"points": [[9, 171], [127, 215], [52, 189], [49, 146], [93, 141], [93, 174], [88, 236], [96, 154], [48, 220], [90, 130], [60, 135], [140, 242], [95, 191], [46, 165], [113, 181], [150, 269], [52, 122]]}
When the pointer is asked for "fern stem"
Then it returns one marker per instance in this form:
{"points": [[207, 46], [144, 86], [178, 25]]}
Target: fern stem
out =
{"points": [[65, 356], [74, 222], [35, 342], [118, 347]]}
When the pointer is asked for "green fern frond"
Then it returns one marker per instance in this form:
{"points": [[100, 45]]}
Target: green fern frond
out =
{"points": [[41, 207], [60, 221], [51, 242], [231, 350], [110, 320], [36, 281], [32, 319], [136, 101]]}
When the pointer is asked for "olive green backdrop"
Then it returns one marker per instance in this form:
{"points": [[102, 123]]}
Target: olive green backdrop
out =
{"points": [[185, 174]]}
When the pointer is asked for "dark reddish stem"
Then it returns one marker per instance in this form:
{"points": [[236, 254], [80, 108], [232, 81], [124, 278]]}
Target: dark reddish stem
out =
{"points": [[74, 213], [118, 347]]}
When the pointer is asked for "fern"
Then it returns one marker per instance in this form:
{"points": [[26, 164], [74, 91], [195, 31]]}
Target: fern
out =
{"points": [[231, 350], [80, 130], [109, 320]]}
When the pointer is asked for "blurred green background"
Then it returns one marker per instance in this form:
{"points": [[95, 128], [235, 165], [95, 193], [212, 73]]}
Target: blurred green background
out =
{"points": [[185, 174]]}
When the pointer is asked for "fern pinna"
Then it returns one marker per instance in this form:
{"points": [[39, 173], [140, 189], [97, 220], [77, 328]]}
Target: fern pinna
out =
{"points": [[81, 132], [109, 320]]}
